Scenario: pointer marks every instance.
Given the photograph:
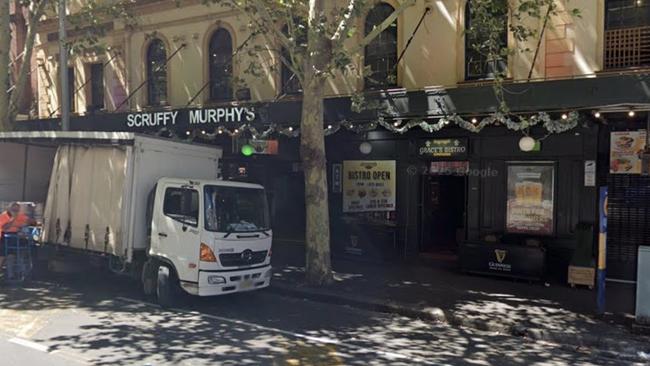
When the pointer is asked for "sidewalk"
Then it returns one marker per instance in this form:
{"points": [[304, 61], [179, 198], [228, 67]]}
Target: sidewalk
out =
{"points": [[556, 313]]}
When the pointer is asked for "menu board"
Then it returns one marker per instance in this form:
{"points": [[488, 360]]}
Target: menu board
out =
{"points": [[624, 150], [530, 198], [368, 185]]}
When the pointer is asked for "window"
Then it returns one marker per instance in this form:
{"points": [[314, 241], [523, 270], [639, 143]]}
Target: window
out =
{"points": [[234, 209], [96, 87], [290, 82], [71, 89], [156, 73], [477, 64], [220, 61], [182, 205], [381, 53], [627, 33], [627, 14], [151, 199]]}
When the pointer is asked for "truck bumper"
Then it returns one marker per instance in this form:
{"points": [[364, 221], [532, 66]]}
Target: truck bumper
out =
{"points": [[213, 283]]}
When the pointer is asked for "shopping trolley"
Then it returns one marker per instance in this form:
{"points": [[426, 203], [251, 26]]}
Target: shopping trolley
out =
{"points": [[18, 254]]}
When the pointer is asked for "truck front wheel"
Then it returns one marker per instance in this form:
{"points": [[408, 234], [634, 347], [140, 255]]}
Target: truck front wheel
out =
{"points": [[165, 289], [149, 277]]}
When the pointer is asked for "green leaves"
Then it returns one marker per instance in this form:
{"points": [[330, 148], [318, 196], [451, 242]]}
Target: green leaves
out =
{"points": [[489, 24]]}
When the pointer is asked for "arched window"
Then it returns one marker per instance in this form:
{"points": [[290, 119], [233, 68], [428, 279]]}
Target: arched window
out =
{"points": [[290, 82], [477, 65], [220, 63], [381, 53], [156, 73]]}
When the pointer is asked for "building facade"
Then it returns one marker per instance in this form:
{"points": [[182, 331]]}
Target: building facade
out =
{"points": [[201, 40], [185, 70]]}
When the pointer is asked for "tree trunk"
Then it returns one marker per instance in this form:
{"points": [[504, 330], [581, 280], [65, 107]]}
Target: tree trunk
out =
{"points": [[312, 151], [5, 49], [25, 64]]}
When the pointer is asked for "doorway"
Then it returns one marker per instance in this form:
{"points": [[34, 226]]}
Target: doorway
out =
{"points": [[443, 214]]}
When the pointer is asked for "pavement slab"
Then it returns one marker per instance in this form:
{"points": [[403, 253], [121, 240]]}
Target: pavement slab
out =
{"points": [[550, 312]]}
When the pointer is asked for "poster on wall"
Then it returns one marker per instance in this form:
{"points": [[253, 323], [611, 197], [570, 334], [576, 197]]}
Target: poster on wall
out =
{"points": [[530, 198], [624, 150], [369, 185]]}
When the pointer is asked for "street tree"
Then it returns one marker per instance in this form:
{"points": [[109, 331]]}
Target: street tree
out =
{"points": [[84, 20], [318, 39]]}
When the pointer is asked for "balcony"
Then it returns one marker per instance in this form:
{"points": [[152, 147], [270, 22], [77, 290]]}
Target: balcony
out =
{"points": [[627, 48]]}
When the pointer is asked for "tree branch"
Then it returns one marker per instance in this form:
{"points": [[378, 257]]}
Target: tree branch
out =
{"points": [[25, 65], [5, 41], [382, 27], [295, 58], [344, 24], [266, 21]]}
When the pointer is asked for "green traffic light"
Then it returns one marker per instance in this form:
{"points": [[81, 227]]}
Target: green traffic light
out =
{"points": [[247, 150]]}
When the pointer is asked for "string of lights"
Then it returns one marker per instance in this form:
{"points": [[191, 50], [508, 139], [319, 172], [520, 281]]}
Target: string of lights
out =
{"points": [[565, 122]]}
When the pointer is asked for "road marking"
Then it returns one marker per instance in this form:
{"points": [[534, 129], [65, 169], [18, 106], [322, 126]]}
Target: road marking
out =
{"points": [[30, 344], [70, 356], [321, 340]]}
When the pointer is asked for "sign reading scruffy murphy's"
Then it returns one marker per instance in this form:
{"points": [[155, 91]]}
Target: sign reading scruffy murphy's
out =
{"points": [[443, 148], [368, 185]]}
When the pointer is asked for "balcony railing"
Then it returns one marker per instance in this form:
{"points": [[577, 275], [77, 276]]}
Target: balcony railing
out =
{"points": [[627, 47]]}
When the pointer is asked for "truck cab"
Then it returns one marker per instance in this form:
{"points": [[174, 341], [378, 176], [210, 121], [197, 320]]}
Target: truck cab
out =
{"points": [[209, 237]]}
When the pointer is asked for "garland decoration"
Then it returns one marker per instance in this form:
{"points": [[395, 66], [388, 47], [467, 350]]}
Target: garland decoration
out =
{"points": [[565, 123], [516, 123]]}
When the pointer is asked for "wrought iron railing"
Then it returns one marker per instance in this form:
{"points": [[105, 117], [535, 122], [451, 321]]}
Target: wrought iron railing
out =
{"points": [[627, 47]]}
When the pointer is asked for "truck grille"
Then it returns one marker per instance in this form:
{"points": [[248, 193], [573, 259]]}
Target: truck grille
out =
{"points": [[245, 258]]}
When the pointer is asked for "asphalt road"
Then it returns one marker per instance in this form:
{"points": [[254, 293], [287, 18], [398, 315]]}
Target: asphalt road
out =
{"points": [[103, 320]]}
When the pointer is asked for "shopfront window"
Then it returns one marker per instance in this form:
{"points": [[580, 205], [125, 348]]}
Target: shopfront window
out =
{"points": [[156, 73], [235, 209], [479, 64], [381, 53], [220, 61]]}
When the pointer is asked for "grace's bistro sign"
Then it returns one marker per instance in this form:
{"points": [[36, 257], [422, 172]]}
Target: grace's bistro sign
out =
{"points": [[443, 148], [191, 117]]}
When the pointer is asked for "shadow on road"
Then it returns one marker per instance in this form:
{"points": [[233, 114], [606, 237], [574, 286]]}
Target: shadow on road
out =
{"points": [[87, 318]]}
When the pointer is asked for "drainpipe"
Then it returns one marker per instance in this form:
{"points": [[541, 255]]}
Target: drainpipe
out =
{"points": [[63, 68], [128, 67]]}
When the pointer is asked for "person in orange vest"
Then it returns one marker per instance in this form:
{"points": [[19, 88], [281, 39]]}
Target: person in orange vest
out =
{"points": [[11, 221]]}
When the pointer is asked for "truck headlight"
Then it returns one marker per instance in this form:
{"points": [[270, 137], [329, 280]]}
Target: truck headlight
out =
{"points": [[216, 280]]}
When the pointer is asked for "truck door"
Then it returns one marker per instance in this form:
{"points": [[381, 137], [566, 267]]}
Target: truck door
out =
{"points": [[177, 229]]}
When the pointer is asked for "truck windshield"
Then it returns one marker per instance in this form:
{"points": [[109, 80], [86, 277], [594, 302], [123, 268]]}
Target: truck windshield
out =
{"points": [[235, 209]]}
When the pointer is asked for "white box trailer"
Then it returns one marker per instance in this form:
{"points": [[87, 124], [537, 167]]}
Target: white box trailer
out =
{"points": [[100, 182], [154, 206]]}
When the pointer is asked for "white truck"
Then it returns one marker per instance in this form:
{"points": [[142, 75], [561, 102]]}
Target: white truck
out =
{"points": [[152, 207]]}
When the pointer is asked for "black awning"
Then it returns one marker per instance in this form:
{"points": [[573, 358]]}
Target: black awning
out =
{"points": [[529, 97]]}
